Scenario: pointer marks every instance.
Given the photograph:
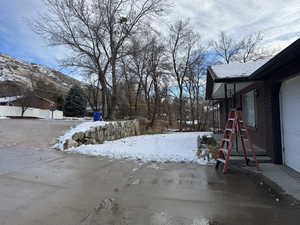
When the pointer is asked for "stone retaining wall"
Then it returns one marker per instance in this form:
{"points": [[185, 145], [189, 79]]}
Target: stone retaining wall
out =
{"points": [[108, 132]]}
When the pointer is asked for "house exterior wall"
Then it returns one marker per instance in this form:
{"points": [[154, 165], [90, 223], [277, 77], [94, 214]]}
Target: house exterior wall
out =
{"points": [[260, 135], [222, 114], [257, 133], [268, 79]]}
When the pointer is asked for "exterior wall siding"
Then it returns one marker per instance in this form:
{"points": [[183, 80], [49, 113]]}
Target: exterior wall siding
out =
{"points": [[257, 133], [260, 135]]}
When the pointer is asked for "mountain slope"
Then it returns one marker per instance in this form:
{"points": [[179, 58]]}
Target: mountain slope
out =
{"points": [[26, 74]]}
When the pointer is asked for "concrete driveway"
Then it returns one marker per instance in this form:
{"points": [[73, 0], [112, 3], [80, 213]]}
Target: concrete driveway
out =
{"points": [[40, 186], [32, 132]]}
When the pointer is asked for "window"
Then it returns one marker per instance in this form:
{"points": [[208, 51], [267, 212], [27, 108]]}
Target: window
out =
{"points": [[249, 108]]}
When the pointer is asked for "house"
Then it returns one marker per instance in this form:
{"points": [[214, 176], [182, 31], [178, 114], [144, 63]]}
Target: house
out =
{"points": [[8, 100], [268, 93], [32, 101]]}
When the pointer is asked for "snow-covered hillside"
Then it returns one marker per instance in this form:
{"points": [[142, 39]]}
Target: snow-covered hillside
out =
{"points": [[25, 73]]}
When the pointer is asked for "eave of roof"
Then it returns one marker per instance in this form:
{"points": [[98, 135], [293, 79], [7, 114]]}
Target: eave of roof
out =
{"points": [[226, 79], [290, 53], [282, 58]]}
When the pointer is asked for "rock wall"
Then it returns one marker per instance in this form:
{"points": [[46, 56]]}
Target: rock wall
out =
{"points": [[109, 132]]}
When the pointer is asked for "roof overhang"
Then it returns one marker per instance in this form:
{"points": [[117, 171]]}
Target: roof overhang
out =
{"points": [[281, 66], [285, 57], [232, 88], [215, 87]]}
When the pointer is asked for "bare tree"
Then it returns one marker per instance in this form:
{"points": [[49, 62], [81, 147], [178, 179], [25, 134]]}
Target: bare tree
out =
{"points": [[138, 64], [93, 92], [24, 99], [250, 49], [182, 44], [226, 47], [146, 63], [193, 86], [246, 49], [95, 31], [121, 19], [73, 24], [156, 65], [130, 80]]}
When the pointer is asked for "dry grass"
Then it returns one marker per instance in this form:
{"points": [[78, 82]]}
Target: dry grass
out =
{"points": [[214, 150]]}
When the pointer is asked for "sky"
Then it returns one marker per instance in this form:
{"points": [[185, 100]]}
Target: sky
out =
{"points": [[278, 20]]}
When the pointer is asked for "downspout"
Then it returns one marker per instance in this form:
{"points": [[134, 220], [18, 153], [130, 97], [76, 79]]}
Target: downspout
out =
{"points": [[234, 106], [226, 102], [276, 121], [213, 114]]}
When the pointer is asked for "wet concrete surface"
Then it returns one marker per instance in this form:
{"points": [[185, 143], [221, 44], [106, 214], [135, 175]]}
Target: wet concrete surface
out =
{"points": [[32, 132], [40, 186]]}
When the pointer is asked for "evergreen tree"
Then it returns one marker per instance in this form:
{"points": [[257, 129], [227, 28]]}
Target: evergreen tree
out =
{"points": [[75, 102]]}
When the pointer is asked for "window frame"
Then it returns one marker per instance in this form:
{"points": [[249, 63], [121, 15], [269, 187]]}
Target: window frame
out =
{"points": [[254, 108]]}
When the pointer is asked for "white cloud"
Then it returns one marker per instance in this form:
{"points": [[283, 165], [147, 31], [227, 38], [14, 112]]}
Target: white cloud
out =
{"points": [[279, 20], [20, 40]]}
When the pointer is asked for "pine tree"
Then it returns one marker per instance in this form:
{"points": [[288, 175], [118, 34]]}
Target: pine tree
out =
{"points": [[75, 102]]}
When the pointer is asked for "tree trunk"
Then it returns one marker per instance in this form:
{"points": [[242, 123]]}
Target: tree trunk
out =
{"points": [[23, 111], [180, 108], [155, 107], [114, 94], [137, 98]]}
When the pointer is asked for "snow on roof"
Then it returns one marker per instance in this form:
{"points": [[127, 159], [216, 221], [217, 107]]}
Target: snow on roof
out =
{"points": [[236, 69], [9, 99]]}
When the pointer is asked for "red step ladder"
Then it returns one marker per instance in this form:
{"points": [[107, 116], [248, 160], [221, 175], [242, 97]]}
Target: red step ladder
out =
{"points": [[234, 126]]}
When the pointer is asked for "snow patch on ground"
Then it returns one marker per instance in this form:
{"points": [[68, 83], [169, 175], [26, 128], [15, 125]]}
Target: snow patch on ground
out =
{"points": [[173, 147], [82, 127]]}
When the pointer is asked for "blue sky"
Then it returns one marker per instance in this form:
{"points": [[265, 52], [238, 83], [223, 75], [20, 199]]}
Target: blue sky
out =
{"points": [[17, 38], [279, 20]]}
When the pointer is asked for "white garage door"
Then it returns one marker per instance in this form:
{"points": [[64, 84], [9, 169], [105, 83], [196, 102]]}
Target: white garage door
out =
{"points": [[290, 121]]}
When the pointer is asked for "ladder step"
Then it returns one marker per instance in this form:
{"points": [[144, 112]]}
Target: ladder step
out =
{"points": [[221, 160], [234, 124]]}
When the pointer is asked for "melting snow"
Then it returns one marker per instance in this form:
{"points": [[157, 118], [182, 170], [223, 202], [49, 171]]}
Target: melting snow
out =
{"points": [[175, 147]]}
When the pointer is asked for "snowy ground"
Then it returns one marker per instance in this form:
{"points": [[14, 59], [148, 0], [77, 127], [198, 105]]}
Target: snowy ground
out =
{"points": [[175, 147]]}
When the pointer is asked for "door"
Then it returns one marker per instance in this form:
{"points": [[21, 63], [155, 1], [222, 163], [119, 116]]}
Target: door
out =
{"points": [[290, 122]]}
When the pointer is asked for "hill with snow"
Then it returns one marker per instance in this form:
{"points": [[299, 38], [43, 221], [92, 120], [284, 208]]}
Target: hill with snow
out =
{"points": [[23, 73]]}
